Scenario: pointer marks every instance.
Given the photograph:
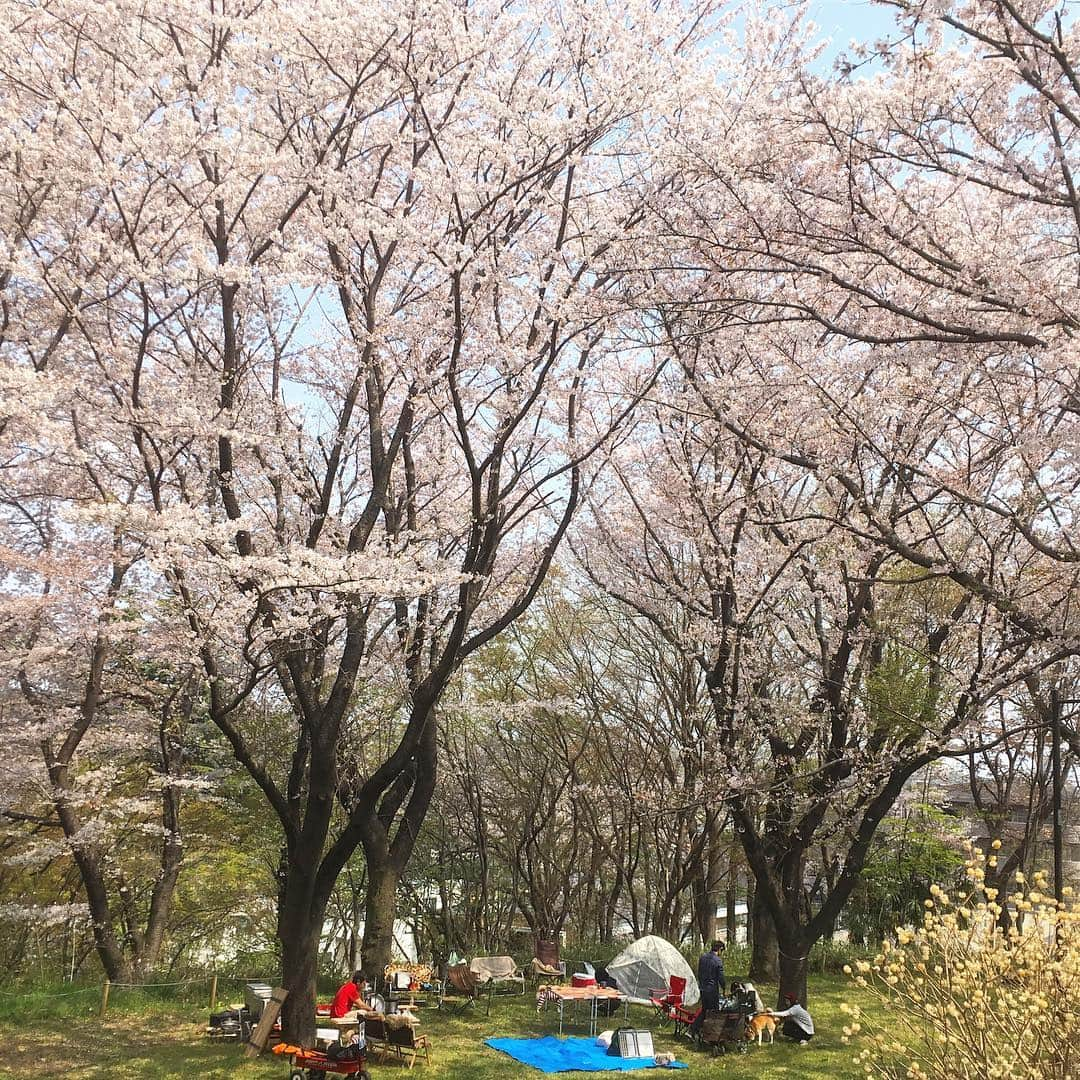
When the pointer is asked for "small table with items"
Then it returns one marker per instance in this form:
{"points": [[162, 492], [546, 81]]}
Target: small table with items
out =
{"points": [[411, 986], [562, 995], [338, 1029]]}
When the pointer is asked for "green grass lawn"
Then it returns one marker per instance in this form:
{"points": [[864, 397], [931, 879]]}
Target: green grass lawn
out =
{"points": [[152, 1039]]}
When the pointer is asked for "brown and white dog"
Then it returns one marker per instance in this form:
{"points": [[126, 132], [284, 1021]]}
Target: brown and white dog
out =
{"points": [[758, 1025]]}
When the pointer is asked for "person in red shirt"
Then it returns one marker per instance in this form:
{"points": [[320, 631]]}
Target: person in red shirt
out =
{"points": [[350, 996]]}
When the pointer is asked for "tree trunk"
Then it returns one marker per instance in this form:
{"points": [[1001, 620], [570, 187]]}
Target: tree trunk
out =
{"points": [[300, 925], [299, 972], [794, 961], [172, 855], [764, 966], [379, 920]]}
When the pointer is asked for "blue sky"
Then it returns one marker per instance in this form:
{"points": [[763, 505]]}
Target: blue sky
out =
{"points": [[845, 20]]}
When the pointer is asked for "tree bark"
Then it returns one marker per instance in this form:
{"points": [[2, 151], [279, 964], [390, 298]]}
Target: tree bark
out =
{"points": [[794, 961], [379, 911], [300, 930], [764, 962]]}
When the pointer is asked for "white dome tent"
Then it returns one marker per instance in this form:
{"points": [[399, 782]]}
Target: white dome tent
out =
{"points": [[645, 966]]}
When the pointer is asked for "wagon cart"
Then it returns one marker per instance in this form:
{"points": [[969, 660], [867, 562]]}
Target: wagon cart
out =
{"points": [[315, 1065]]}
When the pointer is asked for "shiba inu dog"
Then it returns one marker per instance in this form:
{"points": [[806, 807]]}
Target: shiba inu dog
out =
{"points": [[758, 1025]]}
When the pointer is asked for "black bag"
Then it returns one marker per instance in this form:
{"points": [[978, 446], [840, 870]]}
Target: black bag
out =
{"points": [[337, 1052]]}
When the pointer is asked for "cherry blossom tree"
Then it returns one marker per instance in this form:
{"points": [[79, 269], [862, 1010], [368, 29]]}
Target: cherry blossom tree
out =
{"points": [[833, 676], [324, 289], [872, 313], [896, 244], [93, 706]]}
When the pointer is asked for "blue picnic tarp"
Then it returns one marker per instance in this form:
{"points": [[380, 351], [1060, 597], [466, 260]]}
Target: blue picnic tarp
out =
{"points": [[551, 1055]]}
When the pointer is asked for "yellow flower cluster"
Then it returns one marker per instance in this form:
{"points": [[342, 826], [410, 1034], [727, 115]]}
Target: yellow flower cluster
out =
{"points": [[968, 999]]}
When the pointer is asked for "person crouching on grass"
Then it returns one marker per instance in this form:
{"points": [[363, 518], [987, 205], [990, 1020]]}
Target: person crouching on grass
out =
{"points": [[798, 1023]]}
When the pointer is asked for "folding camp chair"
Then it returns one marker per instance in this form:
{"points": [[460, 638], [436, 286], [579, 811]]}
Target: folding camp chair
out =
{"points": [[494, 970], [684, 1019], [664, 999], [462, 982], [545, 964], [542, 973]]}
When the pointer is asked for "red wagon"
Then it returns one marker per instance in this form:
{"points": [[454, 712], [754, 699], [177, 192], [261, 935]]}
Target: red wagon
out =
{"points": [[315, 1065]]}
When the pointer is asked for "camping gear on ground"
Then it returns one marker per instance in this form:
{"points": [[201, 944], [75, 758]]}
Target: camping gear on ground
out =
{"points": [[551, 1055], [498, 969], [725, 1030], [650, 962], [232, 1023], [631, 1043], [314, 1064]]}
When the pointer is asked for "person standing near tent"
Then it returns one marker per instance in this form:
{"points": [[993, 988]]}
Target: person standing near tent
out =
{"points": [[711, 982]]}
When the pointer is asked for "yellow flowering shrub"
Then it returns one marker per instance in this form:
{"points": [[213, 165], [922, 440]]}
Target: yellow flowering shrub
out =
{"points": [[965, 1000]]}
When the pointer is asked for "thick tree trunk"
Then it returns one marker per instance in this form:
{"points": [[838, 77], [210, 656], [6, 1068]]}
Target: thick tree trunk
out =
{"points": [[300, 925], [794, 961], [764, 960], [379, 912], [299, 972]]}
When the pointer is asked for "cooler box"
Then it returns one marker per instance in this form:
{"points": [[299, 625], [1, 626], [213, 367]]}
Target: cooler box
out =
{"points": [[582, 980], [256, 995]]}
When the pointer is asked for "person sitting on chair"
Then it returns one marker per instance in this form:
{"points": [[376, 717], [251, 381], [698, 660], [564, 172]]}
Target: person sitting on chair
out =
{"points": [[350, 997], [798, 1024]]}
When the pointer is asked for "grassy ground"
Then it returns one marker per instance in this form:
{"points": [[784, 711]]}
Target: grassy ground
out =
{"points": [[154, 1039]]}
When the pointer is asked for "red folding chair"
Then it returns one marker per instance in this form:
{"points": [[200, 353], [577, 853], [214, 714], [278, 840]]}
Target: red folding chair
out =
{"points": [[684, 1020], [668, 998]]}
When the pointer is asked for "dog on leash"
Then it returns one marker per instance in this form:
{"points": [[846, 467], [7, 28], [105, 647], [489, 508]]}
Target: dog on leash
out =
{"points": [[758, 1025]]}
